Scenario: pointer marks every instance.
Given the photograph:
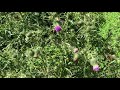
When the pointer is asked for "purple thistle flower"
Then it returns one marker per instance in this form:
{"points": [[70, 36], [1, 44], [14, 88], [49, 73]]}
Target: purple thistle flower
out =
{"points": [[57, 28], [96, 68]]}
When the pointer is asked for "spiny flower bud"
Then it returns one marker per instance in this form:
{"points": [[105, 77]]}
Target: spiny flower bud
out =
{"points": [[29, 34], [35, 55], [93, 61], [31, 53], [80, 22], [75, 57], [15, 56]]}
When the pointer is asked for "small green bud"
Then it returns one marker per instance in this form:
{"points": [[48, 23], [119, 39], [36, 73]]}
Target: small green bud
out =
{"points": [[31, 53], [37, 51], [27, 39], [75, 57], [80, 22], [35, 55], [93, 61], [29, 34]]}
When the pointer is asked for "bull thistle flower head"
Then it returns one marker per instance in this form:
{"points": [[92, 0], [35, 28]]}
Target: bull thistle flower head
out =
{"points": [[94, 64], [57, 28], [96, 68]]}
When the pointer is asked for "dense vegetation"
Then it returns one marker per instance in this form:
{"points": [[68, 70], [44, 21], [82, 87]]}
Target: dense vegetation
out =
{"points": [[31, 48]]}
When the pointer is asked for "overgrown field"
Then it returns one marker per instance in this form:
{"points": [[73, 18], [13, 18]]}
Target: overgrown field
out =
{"points": [[59, 44]]}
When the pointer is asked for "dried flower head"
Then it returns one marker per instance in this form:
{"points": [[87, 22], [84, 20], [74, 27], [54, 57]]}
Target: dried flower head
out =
{"points": [[75, 50]]}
